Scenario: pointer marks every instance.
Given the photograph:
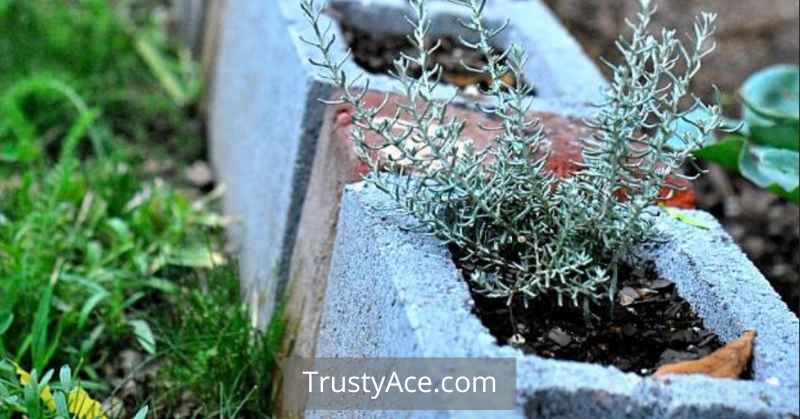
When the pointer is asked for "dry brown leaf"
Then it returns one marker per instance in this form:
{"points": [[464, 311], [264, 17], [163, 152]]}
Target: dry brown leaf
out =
{"points": [[730, 361]]}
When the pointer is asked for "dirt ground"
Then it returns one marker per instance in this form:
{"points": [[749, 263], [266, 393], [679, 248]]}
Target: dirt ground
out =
{"points": [[752, 34]]}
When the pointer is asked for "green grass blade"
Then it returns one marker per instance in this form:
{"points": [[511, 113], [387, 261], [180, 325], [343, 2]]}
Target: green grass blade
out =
{"points": [[41, 321]]}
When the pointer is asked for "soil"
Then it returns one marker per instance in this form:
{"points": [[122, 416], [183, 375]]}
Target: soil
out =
{"points": [[765, 226], [376, 54], [752, 33], [651, 325]]}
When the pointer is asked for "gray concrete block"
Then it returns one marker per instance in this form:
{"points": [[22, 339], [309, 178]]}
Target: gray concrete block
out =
{"points": [[557, 65], [263, 126], [393, 293], [264, 118]]}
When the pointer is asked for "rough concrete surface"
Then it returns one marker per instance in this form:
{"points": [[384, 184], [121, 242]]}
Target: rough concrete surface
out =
{"points": [[422, 297], [335, 165], [263, 124], [264, 116]]}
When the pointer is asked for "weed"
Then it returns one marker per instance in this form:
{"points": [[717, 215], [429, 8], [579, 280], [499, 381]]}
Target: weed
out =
{"points": [[94, 240]]}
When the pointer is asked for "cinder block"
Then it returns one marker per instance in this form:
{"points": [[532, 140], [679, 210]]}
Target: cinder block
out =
{"points": [[336, 165], [393, 293], [264, 118], [263, 126]]}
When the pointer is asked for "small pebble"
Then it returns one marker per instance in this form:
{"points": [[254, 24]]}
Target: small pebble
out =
{"points": [[516, 340], [559, 336], [472, 91]]}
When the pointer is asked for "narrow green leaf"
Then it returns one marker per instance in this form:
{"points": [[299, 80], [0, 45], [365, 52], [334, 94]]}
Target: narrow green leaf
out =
{"points": [[5, 322], [41, 321], [160, 284], [196, 257], [144, 335], [88, 343], [684, 218], [62, 409], [120, 229], [160, 69], [76, 132], [89, 306], [142, 413], [65, 377]]}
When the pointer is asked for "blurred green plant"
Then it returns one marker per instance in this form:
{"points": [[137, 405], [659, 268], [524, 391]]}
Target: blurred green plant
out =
{"points": [[18, 132], [64, 60], [87, 241], [81, 234], [212, 349], [764, 147], [94, 253]]}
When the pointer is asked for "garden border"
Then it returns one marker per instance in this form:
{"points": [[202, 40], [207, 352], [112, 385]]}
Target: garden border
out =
{"points": [[415, 315], [263, 153]]}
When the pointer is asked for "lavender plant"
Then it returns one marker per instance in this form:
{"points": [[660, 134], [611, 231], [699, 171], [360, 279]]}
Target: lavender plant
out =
{"points": [[526, 233]]}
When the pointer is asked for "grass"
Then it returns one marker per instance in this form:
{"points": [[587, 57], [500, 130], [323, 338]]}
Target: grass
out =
{"points": [[99, 255], [206, 342], [93, 240]]}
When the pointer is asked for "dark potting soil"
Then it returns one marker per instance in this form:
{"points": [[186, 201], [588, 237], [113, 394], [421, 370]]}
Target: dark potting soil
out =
{"points": [[651, 326], [376, 53]]}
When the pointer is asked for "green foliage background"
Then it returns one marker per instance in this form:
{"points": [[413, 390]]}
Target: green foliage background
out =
{"points": [[93, 248]]}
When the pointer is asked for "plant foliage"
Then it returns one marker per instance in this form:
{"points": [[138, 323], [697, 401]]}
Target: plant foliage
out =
{"points": [[765, 148], [526, 232], [92, 243], [93, 61], [87, 241], [212, 349], [27, 394]]}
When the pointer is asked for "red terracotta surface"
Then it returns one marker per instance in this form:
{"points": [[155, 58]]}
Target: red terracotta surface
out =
{"points": [[564, 134]]}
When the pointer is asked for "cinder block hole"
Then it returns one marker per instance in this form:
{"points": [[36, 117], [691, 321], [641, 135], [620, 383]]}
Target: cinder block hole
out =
{"points": [[377, 34]]}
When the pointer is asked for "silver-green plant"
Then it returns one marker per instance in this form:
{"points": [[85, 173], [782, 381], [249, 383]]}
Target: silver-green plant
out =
{"points": [[525, 232], [627, 164]]}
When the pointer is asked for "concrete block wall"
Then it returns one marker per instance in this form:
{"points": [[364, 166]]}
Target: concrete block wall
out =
{"points": [[263, 125], [285, 159], [413, 316], [265, 121]]}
